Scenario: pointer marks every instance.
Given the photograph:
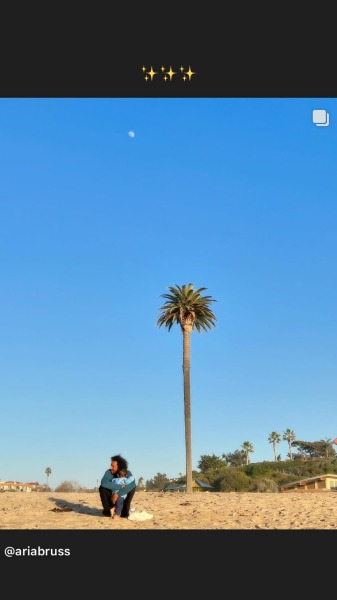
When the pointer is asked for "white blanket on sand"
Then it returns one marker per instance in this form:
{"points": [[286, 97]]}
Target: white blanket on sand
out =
{"points": [[139, 516]]}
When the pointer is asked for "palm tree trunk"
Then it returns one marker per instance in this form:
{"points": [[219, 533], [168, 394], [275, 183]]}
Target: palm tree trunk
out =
{"points": [[187, 404]]}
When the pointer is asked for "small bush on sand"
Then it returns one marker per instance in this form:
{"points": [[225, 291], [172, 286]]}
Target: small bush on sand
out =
{"points": [[234, 481], [263, 485]]}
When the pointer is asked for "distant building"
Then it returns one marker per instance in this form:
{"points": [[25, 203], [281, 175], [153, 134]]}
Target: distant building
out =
{"points": [[321, 483], [17, 486]]}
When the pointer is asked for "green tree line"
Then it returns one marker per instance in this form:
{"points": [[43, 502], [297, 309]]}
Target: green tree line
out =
{"points": [[235, 472]]}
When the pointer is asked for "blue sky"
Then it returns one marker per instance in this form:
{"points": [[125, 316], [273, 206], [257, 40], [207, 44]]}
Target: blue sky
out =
{"points": [[235, 195]]}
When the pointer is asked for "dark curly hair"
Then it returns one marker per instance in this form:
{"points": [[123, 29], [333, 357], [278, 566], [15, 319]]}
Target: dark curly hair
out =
{"points": [[122, 462]]}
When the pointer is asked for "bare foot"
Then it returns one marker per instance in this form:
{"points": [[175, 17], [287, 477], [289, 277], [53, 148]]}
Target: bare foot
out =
{"points": [[116, 517]]}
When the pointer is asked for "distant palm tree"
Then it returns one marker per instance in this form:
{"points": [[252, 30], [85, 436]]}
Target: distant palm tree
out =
{"points": [[247, 447], [48, 473], [274, 439], [186, 307], [289, 436]]}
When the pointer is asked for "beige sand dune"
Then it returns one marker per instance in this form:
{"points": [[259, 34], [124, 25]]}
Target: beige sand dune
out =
{"points": [[171, 510]]}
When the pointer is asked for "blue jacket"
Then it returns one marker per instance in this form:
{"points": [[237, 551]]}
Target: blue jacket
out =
{"points": [[108, 482]]}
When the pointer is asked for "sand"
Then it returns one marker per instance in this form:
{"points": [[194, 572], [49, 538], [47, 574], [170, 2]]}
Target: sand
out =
{"points": [[171, 510]]}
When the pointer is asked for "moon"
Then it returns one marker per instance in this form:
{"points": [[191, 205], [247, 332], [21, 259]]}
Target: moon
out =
{"points": [[131, 134]]}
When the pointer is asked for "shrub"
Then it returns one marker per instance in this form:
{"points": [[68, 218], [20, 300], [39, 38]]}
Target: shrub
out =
{"points": [[234, 480], [263, 485], [262, 470]]}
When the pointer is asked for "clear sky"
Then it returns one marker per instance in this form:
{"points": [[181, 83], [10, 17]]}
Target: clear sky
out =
{"points": [[235, 195]]}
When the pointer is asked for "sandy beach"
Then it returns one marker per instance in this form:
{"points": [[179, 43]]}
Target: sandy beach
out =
{"points": [[171, 510]]}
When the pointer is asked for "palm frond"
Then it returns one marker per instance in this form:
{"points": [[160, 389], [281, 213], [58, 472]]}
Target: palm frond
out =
{"points": [[185, 303]]}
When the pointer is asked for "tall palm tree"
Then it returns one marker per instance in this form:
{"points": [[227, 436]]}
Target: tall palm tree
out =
{"points": [[274, 439], [186, 307], [48, 473], [247, 447], [289, 436]]}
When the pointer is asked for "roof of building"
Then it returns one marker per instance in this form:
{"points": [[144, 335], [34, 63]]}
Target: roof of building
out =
{"points": [[182, 488], [202, 484]]}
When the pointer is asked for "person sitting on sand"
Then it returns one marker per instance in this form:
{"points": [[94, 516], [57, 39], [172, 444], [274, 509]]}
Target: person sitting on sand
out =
{"points": [[118, 501], [108, 486]]}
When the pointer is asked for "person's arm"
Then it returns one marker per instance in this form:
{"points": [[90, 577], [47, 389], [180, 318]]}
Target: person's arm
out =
{"points": [[109, 482], [123, 491], [127, 480]]}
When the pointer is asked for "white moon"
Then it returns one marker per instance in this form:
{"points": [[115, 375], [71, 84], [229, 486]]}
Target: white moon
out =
{"points": [[132, 134]]}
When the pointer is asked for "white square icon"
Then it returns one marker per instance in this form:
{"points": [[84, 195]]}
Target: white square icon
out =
{"points": [[320, 118]]}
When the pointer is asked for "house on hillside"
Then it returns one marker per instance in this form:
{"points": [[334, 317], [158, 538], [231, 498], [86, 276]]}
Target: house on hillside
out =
{"points": [[319, 483], [197, 486]]}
